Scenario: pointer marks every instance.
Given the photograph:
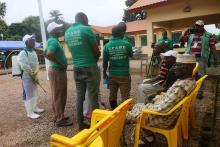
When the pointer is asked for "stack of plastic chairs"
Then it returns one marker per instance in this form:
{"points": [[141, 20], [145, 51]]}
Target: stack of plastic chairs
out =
{"points": [[105, 131], [173, 135]]}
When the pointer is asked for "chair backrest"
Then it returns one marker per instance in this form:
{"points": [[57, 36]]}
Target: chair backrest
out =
{"points": [[195, 70], [109, 129], [191, 96]]}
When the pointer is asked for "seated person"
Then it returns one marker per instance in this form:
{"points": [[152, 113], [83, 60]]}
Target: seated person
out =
{"points": [[163, 103], [154, 85]]}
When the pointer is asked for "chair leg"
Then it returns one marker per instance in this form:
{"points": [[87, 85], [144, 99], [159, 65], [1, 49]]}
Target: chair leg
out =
{"points": [[137, 133], [172, 139], [192, 117], [184, 125], [180, 141]]}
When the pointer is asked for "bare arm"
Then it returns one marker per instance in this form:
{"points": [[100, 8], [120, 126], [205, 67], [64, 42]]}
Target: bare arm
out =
{"points": [[105, 67], [213, 48], [96, 51]]}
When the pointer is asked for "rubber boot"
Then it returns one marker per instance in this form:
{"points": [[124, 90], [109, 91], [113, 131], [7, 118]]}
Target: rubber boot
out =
{"points": [[113, 104], [29, 109], [36, 109]]}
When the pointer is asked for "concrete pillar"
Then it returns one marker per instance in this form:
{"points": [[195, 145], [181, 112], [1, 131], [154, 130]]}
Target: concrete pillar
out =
{"points": [[150, 36], [169, 33]]}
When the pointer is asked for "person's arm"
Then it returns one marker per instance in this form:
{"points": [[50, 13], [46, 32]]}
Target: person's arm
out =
{"points": [[213, 48], [93, 42], [105, 62], [130, 51], [50, 55], [96, 51], [52, 46], [184, 38]]}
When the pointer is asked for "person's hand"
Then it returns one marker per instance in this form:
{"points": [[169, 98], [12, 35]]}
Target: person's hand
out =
{"points": [[105, 75], [34, 77], [64, 65]]}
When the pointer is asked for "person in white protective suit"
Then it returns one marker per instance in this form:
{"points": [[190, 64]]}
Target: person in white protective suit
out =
{"points": [[28, 62]]}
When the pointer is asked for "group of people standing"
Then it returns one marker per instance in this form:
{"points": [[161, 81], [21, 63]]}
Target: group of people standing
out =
{"points": [[85, 52]]}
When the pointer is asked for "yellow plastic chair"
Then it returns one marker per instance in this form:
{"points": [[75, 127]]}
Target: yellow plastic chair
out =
{"points": [[105, 131], [173, 135], [190, 109], [196, 69]]}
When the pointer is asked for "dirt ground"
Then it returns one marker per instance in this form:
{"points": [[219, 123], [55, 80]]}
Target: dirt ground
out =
{"points": [[18, 130]]}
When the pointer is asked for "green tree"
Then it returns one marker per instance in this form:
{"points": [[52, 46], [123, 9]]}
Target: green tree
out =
{"points": [[17, 31], [128, 17], [217, 38], [56, 16], [32, 26], [2, 9], [3, 29]]}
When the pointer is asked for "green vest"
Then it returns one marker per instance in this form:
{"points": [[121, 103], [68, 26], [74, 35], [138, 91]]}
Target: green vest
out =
{"points": [[205, 50]]}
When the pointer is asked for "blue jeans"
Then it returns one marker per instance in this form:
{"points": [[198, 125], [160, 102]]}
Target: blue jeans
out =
{"points": [[86, 78], [202, 71]]}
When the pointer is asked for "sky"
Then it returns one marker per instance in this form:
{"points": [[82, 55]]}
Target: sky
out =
{"points": [[99, 12]]}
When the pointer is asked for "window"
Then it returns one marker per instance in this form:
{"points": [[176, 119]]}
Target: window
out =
{"points": [[176, 37], [132, 41], [144, 40], [155, 38]]}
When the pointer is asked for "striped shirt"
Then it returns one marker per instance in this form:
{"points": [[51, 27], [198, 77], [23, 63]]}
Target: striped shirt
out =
{"points": [[196, 45]]}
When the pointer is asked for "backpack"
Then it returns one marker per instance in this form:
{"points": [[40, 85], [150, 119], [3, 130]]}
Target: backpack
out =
{"points": [[16, 67]]}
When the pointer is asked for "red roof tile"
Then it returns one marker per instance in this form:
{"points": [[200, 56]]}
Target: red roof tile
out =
{"points": [[134, 26], [140, 4]]}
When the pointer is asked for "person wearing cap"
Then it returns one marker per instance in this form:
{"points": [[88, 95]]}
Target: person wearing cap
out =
{"points": [[83, 46], [28, 62], [167, 41], [200, 43], [123, 28], [164, 102], [54, 52], [152, 86], [116, 53]]}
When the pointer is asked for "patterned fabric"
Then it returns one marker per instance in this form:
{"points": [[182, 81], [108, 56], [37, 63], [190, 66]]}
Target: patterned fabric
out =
{"points": [[163, 103]]}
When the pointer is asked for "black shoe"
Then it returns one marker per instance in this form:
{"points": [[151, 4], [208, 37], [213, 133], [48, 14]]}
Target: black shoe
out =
{"points": [[199, 96], [83, 126], [64, 122], [113, 104]]}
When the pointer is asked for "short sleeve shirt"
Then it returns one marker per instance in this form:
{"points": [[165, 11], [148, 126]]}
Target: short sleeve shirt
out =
{"points": [[168, 41], [117, 52], [54, 45], [80, 39]]}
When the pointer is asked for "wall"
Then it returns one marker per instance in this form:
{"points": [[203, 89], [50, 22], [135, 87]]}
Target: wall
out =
{"points": [[173, 18]]}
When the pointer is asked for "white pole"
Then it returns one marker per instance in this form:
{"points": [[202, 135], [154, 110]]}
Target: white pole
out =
{"points": [[43, 33]]}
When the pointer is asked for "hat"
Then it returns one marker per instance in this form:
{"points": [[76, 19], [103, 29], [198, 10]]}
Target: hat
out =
{"points": [[53, 26], [185, 58], [169, 53], [200, 22], [28, 37]]}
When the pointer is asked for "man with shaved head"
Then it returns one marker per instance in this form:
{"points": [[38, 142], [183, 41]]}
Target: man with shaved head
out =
{"points": [[82, 44], [123, 27], [116, 54]]}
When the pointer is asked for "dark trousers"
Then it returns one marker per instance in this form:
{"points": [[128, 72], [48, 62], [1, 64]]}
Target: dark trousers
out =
{"points": [[122, 83], [86, 78]]}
